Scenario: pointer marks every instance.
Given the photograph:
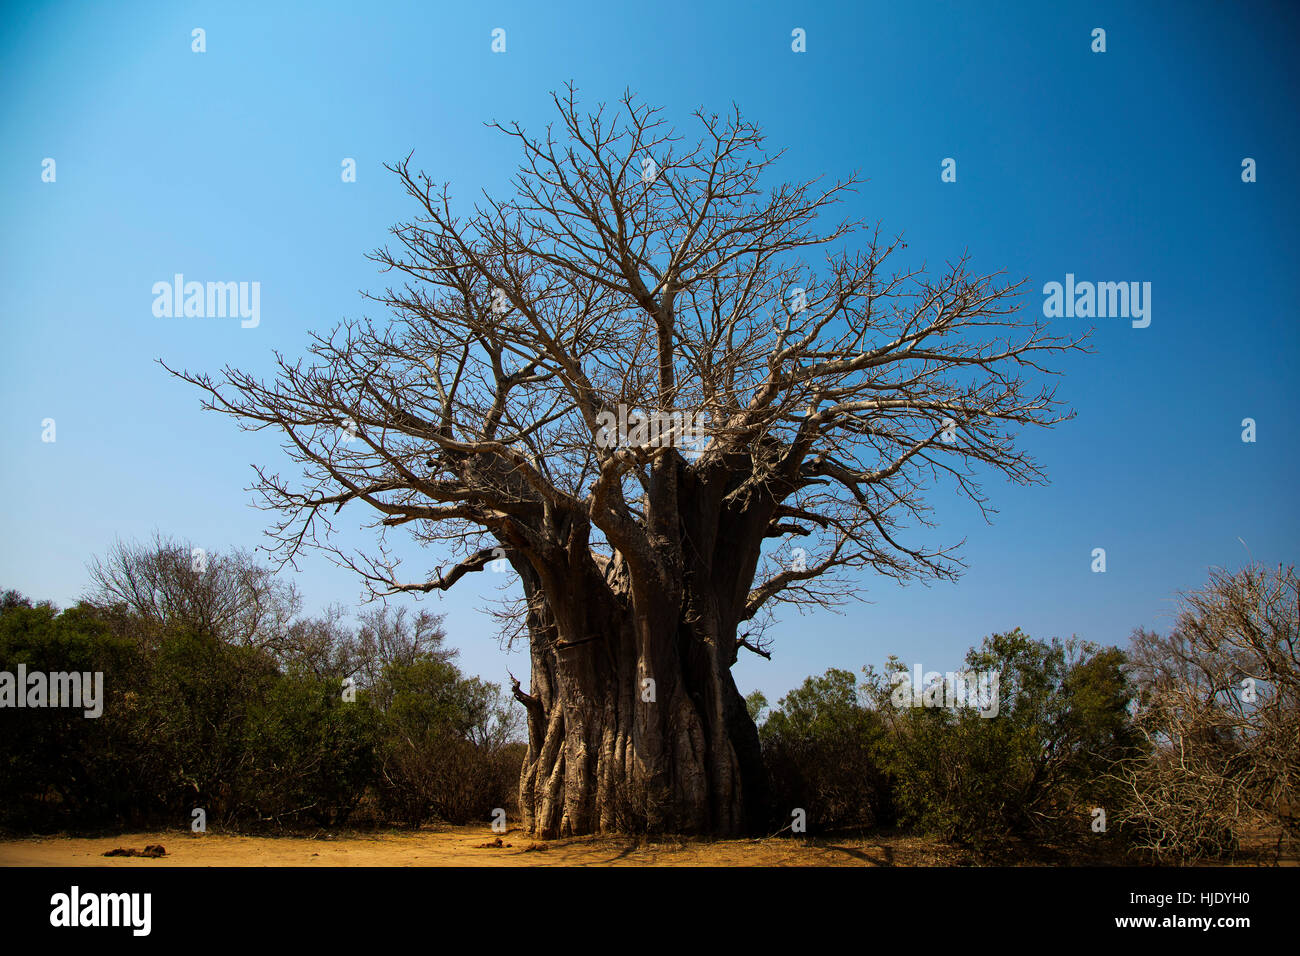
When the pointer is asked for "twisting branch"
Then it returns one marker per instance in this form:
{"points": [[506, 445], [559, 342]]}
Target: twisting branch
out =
{"points": [[635, 270]]}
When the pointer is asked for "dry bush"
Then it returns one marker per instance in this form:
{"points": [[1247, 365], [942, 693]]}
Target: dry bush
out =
{"points": [[1219, 703]]}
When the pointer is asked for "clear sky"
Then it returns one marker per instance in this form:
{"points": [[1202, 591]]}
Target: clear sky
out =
{"points": [[1117, 166]]}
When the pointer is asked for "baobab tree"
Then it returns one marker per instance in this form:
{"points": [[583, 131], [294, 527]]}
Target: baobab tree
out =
{"points": [[629, 381]]}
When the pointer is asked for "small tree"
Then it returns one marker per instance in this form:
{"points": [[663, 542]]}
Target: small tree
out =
{"points": [[1220, 706], [1032, 760], [828, 755], [169, 584], [447, 741]]}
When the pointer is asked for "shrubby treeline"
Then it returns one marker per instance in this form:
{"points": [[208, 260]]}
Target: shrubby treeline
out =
{"points": [[1185, 746], [220, 695], [858, 756]]}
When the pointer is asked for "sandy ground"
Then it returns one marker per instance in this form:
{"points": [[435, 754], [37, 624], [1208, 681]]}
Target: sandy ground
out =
{"points": [[462, 846], [476, 846]]}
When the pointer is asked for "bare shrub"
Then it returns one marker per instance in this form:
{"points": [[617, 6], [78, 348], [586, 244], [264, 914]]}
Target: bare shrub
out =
{"points": [[1219, 703]]}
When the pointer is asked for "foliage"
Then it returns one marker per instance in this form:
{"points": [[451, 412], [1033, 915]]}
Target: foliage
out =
{"points": [[444, 749], [861, 755], [214, 699], [825, 753], [1035, 763]]}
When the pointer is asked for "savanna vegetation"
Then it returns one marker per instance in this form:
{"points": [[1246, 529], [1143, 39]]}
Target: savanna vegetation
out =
{"points": [[219, 694], [1182, 747]]}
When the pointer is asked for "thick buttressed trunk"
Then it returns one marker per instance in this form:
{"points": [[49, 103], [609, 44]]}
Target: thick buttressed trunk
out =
{"points": [[635, 729], [635, 723]]}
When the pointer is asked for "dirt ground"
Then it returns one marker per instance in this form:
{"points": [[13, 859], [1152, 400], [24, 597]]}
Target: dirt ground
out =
{"points": [[476, 846], [464, 846]]}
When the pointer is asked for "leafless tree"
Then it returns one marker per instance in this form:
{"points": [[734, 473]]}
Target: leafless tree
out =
{"points": [[390, 637], [1220, 706], [633, 270], [227, 597], [323, 646]]}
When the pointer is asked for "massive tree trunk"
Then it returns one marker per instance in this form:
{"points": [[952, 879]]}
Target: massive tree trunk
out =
{"points": [[635, 723], [611, 751]]}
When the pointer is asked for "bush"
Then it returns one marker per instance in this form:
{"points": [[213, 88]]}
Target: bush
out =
{"points": [[54, 761], [217, 697], [187, 722], [314, 752], [444, 751], [1220, 708], [1037, 766], [825, 753]]}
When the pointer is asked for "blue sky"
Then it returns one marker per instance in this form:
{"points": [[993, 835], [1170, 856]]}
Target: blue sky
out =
{"points": [[1115, 166]]}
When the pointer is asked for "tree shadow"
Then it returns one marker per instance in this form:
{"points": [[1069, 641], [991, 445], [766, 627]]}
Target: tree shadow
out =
{"points": [[622, 854], [887, 858]]}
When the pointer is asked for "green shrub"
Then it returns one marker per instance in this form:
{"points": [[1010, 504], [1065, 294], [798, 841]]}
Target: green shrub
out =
{"points": [[314, 752], [826, 753], [1038, 765], [445, 750], [53, 760]]}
